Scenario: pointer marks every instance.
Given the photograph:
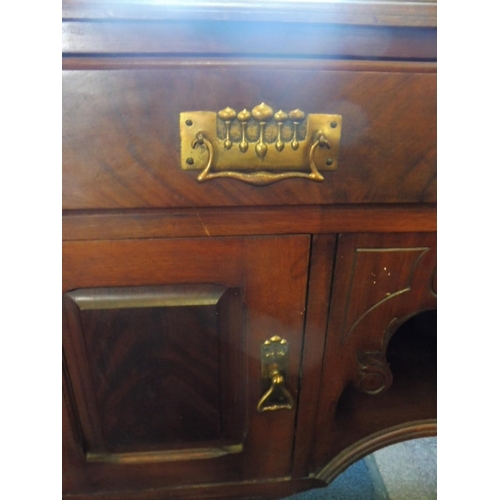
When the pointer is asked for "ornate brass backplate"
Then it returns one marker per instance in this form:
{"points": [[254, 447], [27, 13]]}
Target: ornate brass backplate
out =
{"points": [[261, 146]]}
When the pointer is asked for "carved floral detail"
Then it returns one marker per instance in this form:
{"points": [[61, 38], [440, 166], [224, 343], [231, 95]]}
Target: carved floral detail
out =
{"points": [[374, 375]]}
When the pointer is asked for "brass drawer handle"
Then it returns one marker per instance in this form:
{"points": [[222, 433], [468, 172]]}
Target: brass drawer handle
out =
{"points": [[274, 364], [285, 145]]}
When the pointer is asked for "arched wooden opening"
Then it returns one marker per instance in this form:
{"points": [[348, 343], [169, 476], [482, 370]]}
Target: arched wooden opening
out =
{"points": [[405, 409]]}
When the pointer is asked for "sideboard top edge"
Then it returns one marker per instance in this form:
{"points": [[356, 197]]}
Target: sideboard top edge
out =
{"points": [[364, 12]]}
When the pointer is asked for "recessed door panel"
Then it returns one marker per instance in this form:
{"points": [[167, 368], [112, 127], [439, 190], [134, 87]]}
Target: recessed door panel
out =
{"points": [[155, 363]]}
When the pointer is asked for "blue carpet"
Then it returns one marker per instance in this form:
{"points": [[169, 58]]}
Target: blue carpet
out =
{"points": [[355, 483]]}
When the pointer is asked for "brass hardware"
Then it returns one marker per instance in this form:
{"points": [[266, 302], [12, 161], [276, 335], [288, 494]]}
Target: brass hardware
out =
{"points": [[227, 115], [303, 144], [274, 369], [243, 117], [262, 113], [296, 116], [280, 117]]}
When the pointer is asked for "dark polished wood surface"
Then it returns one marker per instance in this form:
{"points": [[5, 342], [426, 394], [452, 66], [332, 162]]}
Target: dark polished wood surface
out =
{"points": [[237, 221], [121, 134], [271, 274], [171, 286], [227, 39], [381, 280], [162, 360]]}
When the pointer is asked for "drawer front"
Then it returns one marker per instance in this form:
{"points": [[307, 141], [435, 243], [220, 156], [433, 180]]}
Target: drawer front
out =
{"points": [[121, 134]]}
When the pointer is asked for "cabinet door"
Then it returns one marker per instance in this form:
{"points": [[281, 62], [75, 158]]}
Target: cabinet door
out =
{"points": [[379, 376], [162, 347]]}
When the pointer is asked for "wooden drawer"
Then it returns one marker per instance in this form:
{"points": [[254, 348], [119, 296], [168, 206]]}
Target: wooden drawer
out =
{"points": [[121, 138]]}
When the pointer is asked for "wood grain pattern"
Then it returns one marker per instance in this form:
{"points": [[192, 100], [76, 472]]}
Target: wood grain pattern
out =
{"points": [[377, 277], [121, 135], [95, 264], [155, 371]]}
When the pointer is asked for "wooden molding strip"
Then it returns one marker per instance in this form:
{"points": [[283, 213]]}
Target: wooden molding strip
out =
{"points": [[372, 13], [393, 435], [244, 39], [139, 297], [275, 488], [164, 456], [115, 63], [239, 221]]}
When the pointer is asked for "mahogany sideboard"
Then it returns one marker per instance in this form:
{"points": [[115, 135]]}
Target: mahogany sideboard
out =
{"points": [[249, 243]]}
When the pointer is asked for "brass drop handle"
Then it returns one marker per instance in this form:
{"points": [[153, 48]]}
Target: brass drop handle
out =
{"points": [[260, 178], [274, 363], [277, 396]]}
